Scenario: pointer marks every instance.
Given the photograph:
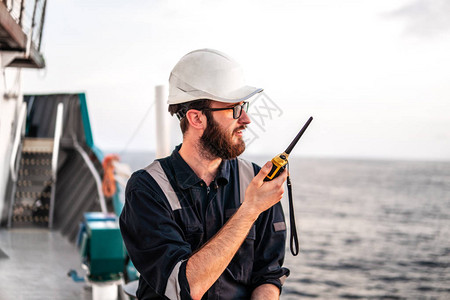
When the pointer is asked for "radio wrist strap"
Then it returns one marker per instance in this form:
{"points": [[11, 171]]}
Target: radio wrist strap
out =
{"points": [[294, 237]]}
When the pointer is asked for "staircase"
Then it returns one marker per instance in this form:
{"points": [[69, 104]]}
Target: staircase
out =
{"points": [[33, 192], [55, 168]]}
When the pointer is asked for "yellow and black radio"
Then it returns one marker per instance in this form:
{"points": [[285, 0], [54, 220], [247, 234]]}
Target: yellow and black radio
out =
{"points": [[279, 163]]}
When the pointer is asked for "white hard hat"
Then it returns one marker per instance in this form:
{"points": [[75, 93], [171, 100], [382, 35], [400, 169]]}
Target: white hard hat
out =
{"points": [[208, 74]]}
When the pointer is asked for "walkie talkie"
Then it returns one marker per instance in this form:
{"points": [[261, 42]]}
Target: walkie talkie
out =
{"points": [[279, 162]]}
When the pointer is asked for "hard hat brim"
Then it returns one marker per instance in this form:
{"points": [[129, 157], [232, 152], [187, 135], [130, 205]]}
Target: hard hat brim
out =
{"points": [[241, 94]]}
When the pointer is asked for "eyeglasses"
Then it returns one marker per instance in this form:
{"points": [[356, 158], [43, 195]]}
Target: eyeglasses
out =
{"points": [[237, 109]]}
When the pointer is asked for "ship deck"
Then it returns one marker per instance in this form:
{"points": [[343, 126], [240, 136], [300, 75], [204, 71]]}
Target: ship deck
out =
{"points": [[34, 264]]}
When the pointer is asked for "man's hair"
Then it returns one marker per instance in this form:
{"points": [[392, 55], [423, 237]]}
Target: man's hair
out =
{"points": [[181, 109]]}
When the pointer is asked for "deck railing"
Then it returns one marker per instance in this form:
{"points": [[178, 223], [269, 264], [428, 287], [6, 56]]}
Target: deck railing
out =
{"points": [[30, 15], [95, 174]]}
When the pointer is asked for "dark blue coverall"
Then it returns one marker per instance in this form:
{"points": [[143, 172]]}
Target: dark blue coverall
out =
{"points": [[160, 238]]}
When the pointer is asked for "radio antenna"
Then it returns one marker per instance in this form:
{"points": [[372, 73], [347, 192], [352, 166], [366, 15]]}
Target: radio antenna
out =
{"points": [[299, 135]]}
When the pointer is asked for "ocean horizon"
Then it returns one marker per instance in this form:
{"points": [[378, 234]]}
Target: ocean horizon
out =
{"points": [[135, 158]]}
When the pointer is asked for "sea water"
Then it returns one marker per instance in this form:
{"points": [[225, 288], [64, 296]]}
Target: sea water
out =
{"points": [[370, 229], [367, 229]]}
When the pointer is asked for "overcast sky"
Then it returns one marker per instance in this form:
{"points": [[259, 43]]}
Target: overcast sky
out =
{"points": [[375, 75]]}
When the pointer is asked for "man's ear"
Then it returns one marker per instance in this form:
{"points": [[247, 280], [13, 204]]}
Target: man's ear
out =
{"points": [[196, 119]]}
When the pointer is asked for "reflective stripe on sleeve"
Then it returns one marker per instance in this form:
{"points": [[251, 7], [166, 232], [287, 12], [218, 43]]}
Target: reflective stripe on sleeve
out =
{"points": [[246, 174], [173, 289], [157, 172], [283, 279]]}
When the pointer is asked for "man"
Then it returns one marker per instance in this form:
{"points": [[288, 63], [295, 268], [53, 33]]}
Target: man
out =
{"points": [[199, 224]]}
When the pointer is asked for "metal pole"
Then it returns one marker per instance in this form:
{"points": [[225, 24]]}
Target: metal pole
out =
{"points": [[162, 122], [56, 140]]}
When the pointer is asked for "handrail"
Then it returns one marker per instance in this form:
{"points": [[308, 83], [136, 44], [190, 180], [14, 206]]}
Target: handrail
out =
{"points": [[20, 132], [55, 155], [94, 173], [57, 139]]}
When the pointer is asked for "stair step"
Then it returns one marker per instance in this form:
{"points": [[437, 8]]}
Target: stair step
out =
{"points": [[35, 162], [37, 154], [30, 209], [41, 182], [38, 145], [35, 177], [33, 194], [35, 172], [27, 221]]}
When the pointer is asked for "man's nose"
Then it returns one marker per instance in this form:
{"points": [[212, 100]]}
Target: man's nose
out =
{"points": [[244, 118]]}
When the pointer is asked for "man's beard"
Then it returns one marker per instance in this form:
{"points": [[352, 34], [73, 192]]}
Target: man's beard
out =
{"points": [[217, 143]]}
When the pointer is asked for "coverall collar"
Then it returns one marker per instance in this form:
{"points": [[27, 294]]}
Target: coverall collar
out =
{"points": [[186, 177]]}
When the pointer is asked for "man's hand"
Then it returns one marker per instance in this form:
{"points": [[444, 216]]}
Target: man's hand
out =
{"points": [[261, 195]]}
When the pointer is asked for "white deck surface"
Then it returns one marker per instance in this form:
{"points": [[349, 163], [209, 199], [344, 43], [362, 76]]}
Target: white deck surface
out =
{"points": [[34, 264]]}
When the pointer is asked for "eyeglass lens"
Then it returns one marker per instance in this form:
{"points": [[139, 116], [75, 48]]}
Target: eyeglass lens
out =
{"points": [[237, 110]]}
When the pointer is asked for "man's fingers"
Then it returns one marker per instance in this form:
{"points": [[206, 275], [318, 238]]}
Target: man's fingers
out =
{"points": [[284, 174], [281, 178], [263, 172]]}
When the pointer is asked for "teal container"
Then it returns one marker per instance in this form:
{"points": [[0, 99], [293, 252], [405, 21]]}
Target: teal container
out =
{"points": [[104, 250]]}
